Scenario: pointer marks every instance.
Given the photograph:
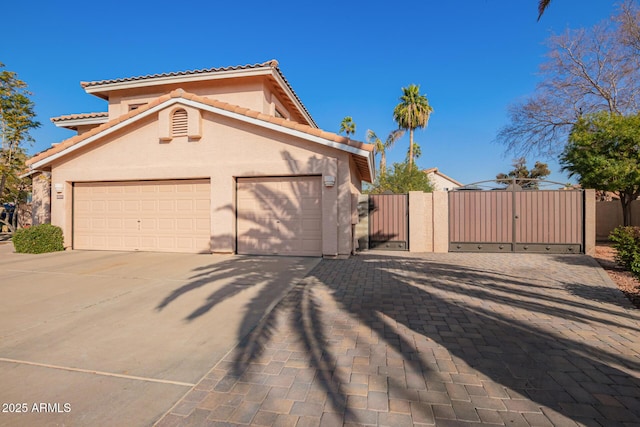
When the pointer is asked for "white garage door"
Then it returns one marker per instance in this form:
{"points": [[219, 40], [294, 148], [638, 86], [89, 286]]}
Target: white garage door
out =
{"points": [[163, 216], [280, 216]]}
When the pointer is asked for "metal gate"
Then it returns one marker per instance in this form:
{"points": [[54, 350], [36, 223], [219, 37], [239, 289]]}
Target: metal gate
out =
{"points": [[389, 222], [516, 220]]}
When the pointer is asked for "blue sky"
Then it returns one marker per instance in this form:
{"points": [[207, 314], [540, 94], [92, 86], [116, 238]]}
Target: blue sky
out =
{"points": [[472, 58]]}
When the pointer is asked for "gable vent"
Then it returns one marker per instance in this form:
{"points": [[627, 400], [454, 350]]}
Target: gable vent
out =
{"points": [[179, 123]]}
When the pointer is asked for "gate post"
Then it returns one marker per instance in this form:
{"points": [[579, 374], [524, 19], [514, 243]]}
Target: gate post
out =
{"points": [[440, 221], [419, 222], [589, 221]]}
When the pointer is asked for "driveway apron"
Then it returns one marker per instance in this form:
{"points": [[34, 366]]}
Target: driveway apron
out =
{"points": [[112, 338], [434, 339]]}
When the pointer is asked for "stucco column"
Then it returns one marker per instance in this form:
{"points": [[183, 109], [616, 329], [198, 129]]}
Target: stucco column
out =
{"points": [[418, 221], [440, 221], [222, 212], [330, 212], [590, 222]]}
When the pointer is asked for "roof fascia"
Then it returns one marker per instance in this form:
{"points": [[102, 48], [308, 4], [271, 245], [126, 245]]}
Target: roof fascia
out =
{"points": [[79, 122], [292, 96], [212, 109], [448, 178]]}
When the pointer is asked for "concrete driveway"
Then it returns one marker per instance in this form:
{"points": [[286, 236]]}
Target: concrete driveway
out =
{"points": [[106, 338]]}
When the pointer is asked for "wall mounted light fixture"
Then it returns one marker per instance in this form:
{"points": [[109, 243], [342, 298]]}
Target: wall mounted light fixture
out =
{"points": [[329, 181]]}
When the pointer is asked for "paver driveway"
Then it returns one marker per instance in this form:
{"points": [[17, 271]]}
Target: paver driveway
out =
{"points": [[444, 339], [120, 337]]}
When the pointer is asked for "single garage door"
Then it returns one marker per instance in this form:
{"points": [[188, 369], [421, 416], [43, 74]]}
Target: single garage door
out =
{"points": [[279, 216], [163, 216]]}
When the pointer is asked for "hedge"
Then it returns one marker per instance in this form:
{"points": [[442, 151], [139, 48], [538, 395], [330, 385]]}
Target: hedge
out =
{"points": [[626, 241], [38, 239]]}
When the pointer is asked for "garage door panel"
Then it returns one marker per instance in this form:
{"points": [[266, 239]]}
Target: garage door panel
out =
{"points": [[203, 225], [279, 216], [312, 245], [115, 223], [99, 224], [169, 216]]}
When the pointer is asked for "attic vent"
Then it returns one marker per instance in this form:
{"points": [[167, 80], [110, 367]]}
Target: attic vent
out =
{"points": [[179, 123]]}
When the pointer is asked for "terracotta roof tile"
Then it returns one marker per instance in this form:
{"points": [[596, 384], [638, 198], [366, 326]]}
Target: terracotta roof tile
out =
{"points": [[273, 64], [179, 93], [97, 115], [315, 132]]}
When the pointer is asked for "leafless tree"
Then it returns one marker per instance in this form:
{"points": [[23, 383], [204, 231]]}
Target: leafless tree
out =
{"points": [[586, 70]]}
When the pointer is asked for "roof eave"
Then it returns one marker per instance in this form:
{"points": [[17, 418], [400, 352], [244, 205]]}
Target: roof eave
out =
{"points": [[265, 124], [293, 97], [74, 123]]}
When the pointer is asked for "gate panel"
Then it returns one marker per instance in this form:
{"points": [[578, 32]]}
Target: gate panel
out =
{"points": [[389, 221], [549, 221], [480, 220], [520, 221]]}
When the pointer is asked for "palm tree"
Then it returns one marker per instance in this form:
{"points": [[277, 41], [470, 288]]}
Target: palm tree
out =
{"points": [[348, 126], [411, 113], [417, 151], [542, 6], [381, 147]]}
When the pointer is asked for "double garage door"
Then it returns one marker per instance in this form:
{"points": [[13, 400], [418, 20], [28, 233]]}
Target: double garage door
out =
{"points": [[274, 216], [161, 216]]}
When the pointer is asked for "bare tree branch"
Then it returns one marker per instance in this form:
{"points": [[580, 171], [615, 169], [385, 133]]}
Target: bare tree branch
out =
{"points": [[585, 71]]}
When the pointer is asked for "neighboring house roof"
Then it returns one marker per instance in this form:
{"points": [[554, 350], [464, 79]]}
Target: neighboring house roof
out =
{"points": [[72, 121], [363, 153], [435, 171], [101, 87]]}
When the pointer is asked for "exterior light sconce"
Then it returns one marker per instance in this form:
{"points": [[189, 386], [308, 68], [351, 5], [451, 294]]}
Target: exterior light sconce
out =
{"points": [[329, 181], [59, 188]]}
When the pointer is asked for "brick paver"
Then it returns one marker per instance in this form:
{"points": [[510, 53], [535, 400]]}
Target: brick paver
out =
{"points": [[433, 339]]}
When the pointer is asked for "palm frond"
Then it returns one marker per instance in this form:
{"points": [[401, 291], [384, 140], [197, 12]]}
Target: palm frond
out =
{"points": [[393, 137], [542, 6]]}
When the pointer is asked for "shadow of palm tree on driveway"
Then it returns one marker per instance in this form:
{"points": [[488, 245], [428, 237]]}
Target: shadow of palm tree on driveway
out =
{"points": [[451, 335], [465, 335]]}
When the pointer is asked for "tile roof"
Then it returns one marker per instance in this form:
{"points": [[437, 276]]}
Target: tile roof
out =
{"points": [[97, 115], [273, 64], [179, 93]]}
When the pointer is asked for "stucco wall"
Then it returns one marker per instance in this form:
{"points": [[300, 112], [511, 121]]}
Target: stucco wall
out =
{"points": [[609, 216], [41, 199], [440, 183], [227, 149], [254, 93]]}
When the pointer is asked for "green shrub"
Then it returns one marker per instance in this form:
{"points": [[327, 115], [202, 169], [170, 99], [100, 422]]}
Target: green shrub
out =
{"points": [[38, 239], [626, 241]]}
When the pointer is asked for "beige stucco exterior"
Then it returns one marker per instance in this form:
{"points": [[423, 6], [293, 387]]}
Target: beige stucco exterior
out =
{"points": [[609, 216], [428, 221], [220, 146], [41, 199], [440, 181]]}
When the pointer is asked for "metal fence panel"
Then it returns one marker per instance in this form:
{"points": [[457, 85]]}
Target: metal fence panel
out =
{"points": [[389, 221]]}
